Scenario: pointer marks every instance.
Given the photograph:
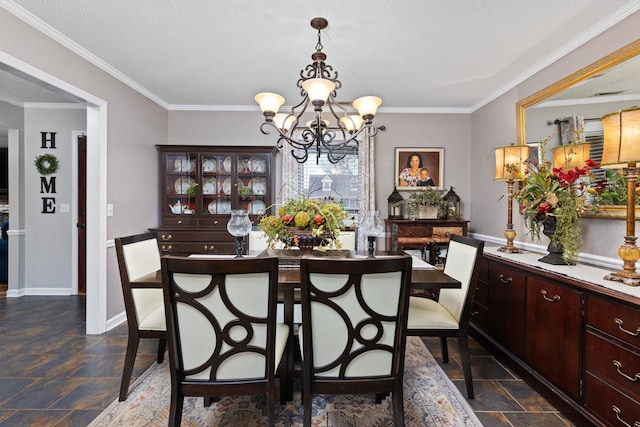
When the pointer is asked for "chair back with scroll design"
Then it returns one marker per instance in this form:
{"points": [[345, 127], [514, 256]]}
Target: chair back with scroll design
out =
{"points": [[450, 315], [139, 255], [223, 336], [354, 314]]}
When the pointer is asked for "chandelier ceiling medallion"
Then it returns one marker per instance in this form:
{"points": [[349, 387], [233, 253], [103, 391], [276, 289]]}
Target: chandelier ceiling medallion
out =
{"points": [[318, 84]]}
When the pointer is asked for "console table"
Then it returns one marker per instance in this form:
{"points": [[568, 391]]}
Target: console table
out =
{"points": [[426, 234]]}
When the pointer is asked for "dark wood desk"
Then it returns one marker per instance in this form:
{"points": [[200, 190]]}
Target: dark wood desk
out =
{"points": [[289, 282]]}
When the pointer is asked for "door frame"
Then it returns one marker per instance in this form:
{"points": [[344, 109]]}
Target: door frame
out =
{"points": [[96, 298]]}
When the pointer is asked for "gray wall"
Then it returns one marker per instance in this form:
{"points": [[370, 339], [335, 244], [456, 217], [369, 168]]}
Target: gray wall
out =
{"points": [[135, 126], [494, 125]]}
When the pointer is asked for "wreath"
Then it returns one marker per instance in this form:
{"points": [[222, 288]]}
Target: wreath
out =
{"points": [[46, 164]]}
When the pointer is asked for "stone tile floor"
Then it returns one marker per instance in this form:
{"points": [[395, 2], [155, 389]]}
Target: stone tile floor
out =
{"points": [[52, 374]]}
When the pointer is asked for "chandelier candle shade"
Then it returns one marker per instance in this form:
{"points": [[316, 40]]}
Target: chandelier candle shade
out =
{"points": [[510, 167], [318, 85], [621, 150]]}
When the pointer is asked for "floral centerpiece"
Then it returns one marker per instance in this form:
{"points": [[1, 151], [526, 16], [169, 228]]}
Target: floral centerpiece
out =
{"points": [[550, 195], [305, 222]]}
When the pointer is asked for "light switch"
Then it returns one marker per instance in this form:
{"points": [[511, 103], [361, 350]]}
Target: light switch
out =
{"points": [[109, 209], [65, 208]]}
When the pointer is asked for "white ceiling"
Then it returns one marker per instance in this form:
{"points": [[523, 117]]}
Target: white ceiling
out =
{"points": [[417, 55]]}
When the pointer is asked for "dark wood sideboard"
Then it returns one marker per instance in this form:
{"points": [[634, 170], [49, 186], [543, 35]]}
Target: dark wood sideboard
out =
{"points": [[426, 234], [577, 342]]}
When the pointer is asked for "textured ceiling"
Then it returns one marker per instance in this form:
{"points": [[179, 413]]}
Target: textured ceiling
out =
{"points": [[414, 54]]}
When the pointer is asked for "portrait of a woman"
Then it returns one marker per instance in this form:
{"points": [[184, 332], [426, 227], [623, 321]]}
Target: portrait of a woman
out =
{"points": [[410, 175]]}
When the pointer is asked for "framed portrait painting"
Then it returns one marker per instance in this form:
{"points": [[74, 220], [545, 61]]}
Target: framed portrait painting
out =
{"points": [[419, 167]]}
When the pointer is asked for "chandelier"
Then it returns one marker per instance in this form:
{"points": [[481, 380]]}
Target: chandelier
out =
{"points": [[318, 84]]}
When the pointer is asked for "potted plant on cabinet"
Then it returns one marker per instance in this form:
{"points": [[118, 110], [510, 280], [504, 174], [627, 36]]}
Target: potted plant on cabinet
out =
{"points": [[428, 203]]}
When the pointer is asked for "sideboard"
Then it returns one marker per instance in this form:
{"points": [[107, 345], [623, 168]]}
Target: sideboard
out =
{"points": [[427, 234], [567, 330]]}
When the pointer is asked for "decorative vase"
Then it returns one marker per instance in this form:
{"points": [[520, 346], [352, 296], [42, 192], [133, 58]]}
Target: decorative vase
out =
{"points": [[427, 212], [555, 251]]}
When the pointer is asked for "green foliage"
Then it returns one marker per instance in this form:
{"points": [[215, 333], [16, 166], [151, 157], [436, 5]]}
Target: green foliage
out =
{"points": [[429, 197]]}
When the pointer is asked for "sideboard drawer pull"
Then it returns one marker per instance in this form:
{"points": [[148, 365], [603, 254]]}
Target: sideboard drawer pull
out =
{"points": [[166, 248], [505, 281], [618, 411], [166, 237], [618, 365], [619, 323], [554, 299]]}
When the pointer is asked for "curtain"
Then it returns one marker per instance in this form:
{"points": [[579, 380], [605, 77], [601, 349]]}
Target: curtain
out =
{"points": [[366, 154]]}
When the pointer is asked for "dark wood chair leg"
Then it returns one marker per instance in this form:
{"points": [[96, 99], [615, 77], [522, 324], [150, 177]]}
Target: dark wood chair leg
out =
{"points": [[175, 409], [445, 349], [465, 359], [162, 347], [208, 401], [398, 407], [129, 360], [380, 397]]}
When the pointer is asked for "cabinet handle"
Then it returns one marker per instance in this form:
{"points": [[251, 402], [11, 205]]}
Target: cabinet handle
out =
{"points": [[554, 299], [505, 281], [215, 222], [166, 248], [167, 237], [617, 411], [474, 313], [209, 248], [179, 221], [618, 365], [619, 323]]}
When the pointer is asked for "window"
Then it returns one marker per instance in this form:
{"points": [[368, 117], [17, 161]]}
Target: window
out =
{"points": [[340, 181]]}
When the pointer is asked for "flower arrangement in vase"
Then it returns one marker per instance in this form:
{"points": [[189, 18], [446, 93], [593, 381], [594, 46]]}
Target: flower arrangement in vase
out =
{"points": [[305, 223], [552, 196]]}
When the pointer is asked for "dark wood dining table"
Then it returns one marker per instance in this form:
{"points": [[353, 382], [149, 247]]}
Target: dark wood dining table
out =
{"points": [[422, 278]]}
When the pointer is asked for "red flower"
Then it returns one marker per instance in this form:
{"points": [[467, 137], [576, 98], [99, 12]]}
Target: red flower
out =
{"points": [[318, 219], [591, 163], [544, 207], [287, 218]]}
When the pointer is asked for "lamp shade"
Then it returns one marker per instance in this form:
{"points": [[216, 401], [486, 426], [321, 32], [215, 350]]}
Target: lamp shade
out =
{"points": [[318, 89], [352, 123], [571, 156], [270, 102], [621, 138], [367, 105], [510, 164], [284, 121]]}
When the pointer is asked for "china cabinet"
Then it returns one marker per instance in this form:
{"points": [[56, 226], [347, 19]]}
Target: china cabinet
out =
{"points": [[201, 185]]}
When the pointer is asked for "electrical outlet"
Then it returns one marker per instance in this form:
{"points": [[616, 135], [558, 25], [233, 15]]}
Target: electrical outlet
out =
{"points": [[109, 209], [65, 208]]}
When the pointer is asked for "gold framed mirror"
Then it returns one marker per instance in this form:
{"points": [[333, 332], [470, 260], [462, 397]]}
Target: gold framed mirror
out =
{"points": [[598, 68]]}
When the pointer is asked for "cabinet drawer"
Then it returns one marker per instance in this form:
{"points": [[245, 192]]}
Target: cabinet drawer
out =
{"points": [[479, 315], [168, 236], [180, 220], [610, 404], [615, 319], [616, 365], [442, 234], [217, 248], [483, 272], [482, 289]]}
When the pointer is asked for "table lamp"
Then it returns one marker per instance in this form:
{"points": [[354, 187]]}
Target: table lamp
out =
{"points": [[621, 150], [571, 156], [510, 167]]}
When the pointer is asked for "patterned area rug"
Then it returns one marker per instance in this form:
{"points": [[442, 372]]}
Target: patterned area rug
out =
{"points": [[430, 399]]}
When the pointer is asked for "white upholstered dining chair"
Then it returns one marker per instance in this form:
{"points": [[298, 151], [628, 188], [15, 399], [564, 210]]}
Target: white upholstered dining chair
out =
{"points": [[139, 255], [354, 314], [223, 336], [449, 316]]}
